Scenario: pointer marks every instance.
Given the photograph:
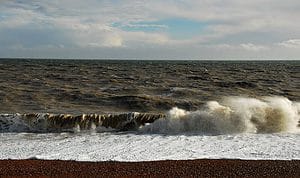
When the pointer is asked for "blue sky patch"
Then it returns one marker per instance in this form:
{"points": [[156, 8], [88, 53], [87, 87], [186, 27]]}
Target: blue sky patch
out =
{"points": [[176, 28]]}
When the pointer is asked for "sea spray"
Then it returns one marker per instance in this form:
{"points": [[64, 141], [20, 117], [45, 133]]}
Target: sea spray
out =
{"points": [[232, 115]]}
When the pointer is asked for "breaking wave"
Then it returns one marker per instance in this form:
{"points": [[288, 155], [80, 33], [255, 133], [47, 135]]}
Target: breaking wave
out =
{"points": [[231, 115], [38, 122]]}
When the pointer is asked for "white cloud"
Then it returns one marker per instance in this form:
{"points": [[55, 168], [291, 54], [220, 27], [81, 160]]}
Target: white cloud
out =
{"points": [[253, 47], [113, 41], [293, 43], [140, 37]]}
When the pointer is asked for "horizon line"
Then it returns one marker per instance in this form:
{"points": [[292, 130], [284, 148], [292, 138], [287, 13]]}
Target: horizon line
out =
{"points": [[154, 59]]}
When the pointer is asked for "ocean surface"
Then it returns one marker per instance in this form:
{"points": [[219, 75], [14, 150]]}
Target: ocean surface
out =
{"points": [[134, 110]]}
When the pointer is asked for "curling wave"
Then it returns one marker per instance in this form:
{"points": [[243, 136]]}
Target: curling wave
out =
{"points": [[231, 115], [69, 123]]}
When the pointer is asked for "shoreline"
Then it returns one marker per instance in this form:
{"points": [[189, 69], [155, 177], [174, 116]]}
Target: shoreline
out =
{"points": [[170, 168]]}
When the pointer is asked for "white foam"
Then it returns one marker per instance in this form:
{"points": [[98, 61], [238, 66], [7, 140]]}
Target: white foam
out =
{"points": [[146, 147], [233, 115]]}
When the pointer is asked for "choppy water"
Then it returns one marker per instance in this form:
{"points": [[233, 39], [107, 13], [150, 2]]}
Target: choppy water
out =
{"points": [[149, 110], [103, 86]]}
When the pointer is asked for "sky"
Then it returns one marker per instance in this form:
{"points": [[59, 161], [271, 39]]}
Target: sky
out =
{"points": [[150, 29]]}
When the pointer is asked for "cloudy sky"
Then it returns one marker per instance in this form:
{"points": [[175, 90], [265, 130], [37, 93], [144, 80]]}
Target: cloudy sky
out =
{"points": [[150, 29]]}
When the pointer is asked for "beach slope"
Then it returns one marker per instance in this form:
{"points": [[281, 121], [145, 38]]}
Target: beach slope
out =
{"points": [[168, 168]]}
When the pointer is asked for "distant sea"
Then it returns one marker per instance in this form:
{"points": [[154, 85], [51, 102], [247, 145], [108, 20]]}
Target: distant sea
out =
{"points": [[101, 86]]}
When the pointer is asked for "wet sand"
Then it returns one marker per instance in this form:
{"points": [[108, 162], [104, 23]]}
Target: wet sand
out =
{"points": [[182, 168]]}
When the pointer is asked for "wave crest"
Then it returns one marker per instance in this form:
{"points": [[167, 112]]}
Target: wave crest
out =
{"points": [[231, 115], [64, 122]]}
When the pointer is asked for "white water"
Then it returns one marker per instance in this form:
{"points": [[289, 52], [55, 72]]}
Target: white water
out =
{"points": [[233, 115], [229, 116], [146, 147], [242, 128]]}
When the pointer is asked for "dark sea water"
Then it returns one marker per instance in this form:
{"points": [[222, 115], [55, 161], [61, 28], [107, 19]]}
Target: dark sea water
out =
{"points": [[106, 86]]}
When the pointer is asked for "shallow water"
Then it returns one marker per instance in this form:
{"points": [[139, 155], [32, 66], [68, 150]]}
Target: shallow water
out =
{"points": [[146, 147]]}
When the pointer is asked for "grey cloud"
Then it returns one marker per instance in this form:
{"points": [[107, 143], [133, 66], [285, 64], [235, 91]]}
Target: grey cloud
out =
{"points": [[31, 38]]}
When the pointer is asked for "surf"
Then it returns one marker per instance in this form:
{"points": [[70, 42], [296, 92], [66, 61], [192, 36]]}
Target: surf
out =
{"points": [[233, 115], [228, 116]]}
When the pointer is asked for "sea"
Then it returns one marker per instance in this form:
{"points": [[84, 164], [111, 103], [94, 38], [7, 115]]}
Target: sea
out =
{"points": [[144, 110]]}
